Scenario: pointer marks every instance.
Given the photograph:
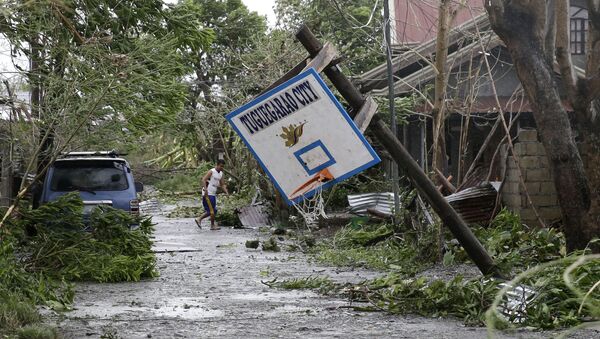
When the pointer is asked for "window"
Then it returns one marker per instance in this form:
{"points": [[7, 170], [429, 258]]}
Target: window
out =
{"points": [[579, 28], [89, 175]]}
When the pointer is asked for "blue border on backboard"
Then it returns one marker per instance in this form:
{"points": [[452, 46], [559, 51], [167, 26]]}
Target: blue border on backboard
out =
{"points": [[312, 146], [340, 108]]}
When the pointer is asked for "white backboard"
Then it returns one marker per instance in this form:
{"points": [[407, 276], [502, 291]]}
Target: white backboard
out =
{"points": [[299, 132]]}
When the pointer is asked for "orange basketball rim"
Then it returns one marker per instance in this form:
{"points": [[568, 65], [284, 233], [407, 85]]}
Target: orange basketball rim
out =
{"points": [[320, 178]]}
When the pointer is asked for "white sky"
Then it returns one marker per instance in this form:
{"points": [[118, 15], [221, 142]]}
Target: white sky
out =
{"points": [[263, 7]]}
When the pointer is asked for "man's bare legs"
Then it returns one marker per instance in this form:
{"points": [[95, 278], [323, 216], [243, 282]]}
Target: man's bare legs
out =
{"points": [[213, 226]]}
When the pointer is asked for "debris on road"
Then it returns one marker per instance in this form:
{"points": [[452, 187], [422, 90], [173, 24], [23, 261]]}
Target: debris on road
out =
{"points": [[255, 215], [252, 243], [381, 202], [271, 245]]}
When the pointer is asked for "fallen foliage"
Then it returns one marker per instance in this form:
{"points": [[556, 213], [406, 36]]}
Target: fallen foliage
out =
{"points": [[323, 285], [566, 288], [37, 269], [271, 245], [109, 252], [252, 243]]}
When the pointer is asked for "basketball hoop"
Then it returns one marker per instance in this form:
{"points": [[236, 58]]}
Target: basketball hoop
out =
{"points": [[311, 209], [314, 207]]}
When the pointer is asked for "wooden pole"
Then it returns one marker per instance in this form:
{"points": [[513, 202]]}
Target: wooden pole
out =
{"points": [[385, 136], [391, 95]]}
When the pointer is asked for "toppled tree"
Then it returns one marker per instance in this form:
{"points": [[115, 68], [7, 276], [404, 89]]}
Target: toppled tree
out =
{"points": [[101, 72], [527, 29]]}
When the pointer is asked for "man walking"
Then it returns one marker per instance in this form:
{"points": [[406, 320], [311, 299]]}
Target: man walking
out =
{"points": [[212, 180]]}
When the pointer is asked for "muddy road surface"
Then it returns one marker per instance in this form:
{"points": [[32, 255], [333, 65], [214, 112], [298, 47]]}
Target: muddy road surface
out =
{"points": [[210, 286]]}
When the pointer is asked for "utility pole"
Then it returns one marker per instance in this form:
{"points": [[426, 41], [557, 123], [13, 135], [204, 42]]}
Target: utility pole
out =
{"points": [[390, 76], [384, 135]]}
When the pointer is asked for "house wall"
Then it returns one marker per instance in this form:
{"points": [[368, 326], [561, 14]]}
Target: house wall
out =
{"points": [[415, 21], [538, 181]]}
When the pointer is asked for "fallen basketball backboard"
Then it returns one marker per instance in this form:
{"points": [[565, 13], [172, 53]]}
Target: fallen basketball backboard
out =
{"points": [[302, 137]]}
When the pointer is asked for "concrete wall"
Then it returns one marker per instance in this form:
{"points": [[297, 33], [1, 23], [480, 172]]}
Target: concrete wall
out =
{"points": [[537, 177]]}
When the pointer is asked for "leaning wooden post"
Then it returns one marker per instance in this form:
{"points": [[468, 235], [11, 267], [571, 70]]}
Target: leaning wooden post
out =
{"points": [[385, 136]]}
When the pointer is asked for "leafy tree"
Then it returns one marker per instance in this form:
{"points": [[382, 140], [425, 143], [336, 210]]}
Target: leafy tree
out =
{"points": [[216, 72], [102, 65], [353, 26]]}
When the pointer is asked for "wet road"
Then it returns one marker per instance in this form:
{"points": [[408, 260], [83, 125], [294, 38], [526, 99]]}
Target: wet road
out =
{"points": [[210, 286]]}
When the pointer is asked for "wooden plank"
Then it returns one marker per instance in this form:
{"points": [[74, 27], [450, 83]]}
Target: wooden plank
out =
{"points": [[323, 58], [445, 182], [366, 113]]}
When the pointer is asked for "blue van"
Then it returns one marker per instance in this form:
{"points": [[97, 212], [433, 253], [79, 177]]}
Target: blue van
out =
{"points": [[102, 178]]}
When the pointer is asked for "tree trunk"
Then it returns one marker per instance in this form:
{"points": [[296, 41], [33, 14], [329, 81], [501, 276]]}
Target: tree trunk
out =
{"points": [[521, 25], [590, 150], [439, 158]]}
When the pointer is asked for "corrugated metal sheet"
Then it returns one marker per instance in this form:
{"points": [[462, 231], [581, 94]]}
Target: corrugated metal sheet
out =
{"points": [[254, 216], [149, 207], [475, 204], [517, 299], [382, 202]]}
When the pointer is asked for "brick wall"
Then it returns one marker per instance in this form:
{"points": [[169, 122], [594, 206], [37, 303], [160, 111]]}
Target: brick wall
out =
{"points": [[537, 177]]}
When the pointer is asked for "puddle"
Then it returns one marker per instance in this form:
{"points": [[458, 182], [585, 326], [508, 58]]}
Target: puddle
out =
{"points": [[183, 308], [194, 312], [271, 296]]}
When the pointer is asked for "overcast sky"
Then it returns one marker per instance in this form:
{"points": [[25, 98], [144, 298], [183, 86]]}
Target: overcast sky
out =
{"points": [[263, 7]]}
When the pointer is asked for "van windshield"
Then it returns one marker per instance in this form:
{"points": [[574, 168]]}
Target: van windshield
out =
{"points": [[89, 175]]}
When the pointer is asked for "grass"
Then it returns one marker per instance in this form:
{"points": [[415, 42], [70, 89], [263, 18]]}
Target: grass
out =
{"points": [[37, 332], [15, 313]]}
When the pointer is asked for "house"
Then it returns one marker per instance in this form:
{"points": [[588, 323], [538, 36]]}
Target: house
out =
{"points": [[476, 94]]}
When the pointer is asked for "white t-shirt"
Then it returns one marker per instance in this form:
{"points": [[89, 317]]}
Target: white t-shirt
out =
{"points": [[214, 181]]}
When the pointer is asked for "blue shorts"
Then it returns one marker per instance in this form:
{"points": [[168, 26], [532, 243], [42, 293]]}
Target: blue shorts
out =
{"points": [[210, 204]]}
